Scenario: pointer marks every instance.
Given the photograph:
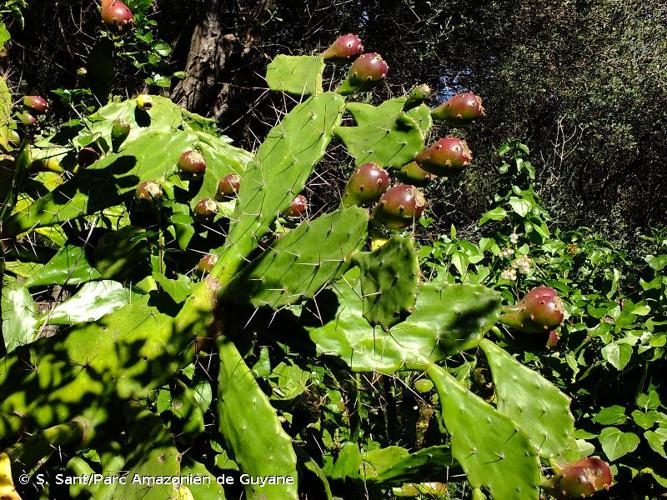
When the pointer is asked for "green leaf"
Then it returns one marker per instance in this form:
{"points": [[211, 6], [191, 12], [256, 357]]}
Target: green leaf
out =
{"points": [[4, 35], [498, 213], [90, 303], [288, 381], [19, 316], [656, 440], [492, 450], [616, 443], [298, 75], [612, 415], [617, 355], [519, 206], [649, 401]]}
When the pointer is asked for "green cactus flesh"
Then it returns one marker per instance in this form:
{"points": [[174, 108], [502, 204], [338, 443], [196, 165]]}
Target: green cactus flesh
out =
{"points": [[69, 266], [389, 280], [445, 321], [277, 174], [251, 428], [298, 75], [385, 134], [533, 402], [5, 113], [300, 263], [493, 451]]}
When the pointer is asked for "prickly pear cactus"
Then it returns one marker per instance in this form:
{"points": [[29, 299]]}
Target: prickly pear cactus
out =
{"points": [[389, 279], [533, 402], [384, 134], [251, 428], [298, 75], [492, 450]]}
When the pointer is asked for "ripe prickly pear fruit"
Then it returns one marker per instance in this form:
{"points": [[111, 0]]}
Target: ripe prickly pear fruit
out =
{"points": [[445, 157], [460, 110], [229, 185], [399, 207], [27, 119], [206, 208], [365, 185], [298, 207], [116, 15], [583, 478], [144, 102], [369, 68], [120, 129], [540, 311], [149, 191], [36, 103], [207, 263], [192, 162], [345, 47], [87, 156], [413, 174]]}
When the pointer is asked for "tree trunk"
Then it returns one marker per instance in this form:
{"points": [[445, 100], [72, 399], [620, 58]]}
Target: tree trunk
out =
{"points": [[214, 53]]}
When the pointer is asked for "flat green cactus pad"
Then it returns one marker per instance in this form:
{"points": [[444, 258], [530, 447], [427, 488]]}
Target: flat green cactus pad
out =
{"points": [[533, 402], [278, 173], [445, 321], [298, 75], [493, 451], [251, 429], [300, 263], [5, 113], [383, 134], [389, 279]]}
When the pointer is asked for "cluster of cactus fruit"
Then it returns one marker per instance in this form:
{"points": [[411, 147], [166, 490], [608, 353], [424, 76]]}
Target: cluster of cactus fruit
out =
{"points": [[195, 179]]}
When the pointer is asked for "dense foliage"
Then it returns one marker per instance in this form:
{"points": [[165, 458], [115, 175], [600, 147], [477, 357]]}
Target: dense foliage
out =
{"points": [[336, 306]]}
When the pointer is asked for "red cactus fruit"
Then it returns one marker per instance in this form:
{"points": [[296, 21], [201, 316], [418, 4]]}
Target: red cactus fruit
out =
{"points": [[36, 103], [584, 478], [87, 156], [207, 263], [540, 310], [460, 110], [149, 191], [206, 208], [192, 162], [399, 207], [229, 185], [117, 15], [445, 157], [298, 207], [345, 47], [369, 68], [26, 119], [366, 184], [413, 174]]}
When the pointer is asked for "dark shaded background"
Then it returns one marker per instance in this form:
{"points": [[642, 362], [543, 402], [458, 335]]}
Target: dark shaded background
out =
{"points": [[583, 83]]}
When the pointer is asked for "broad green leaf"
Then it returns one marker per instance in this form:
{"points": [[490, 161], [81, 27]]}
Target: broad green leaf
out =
{"points": [[613, 415], [616, 443], [90, 303], [498, 213], [617, 354], [19, 316], [656, 440]]}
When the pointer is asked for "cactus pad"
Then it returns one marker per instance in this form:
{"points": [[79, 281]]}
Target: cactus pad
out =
{"points": [[383, 134], [389, 279], [445, 321], [298, 75], [250, 427], [304, 260], [533, 402], [493, 451]]}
